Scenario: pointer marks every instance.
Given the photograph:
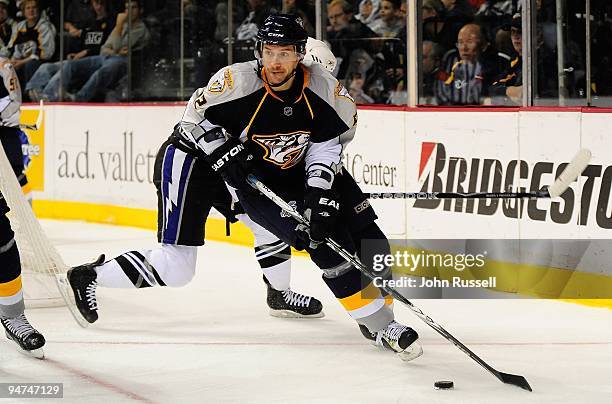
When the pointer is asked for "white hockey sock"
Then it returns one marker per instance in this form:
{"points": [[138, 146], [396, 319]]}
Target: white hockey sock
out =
{"points": [[273, 255], [167, 265], [110, 275], [276, 266]]}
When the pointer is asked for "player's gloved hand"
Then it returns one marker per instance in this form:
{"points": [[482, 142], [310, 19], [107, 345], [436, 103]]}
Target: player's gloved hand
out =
{"points": [[321, 208], [232, 161]]}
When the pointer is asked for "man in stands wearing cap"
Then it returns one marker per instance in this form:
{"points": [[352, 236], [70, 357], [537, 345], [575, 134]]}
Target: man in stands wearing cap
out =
{"points": [[510, 83]]}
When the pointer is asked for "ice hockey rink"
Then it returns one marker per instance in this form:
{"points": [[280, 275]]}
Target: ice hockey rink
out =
{"points": [[214, 341]]}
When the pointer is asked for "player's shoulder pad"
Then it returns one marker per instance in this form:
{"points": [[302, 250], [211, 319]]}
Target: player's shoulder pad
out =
{"points": [[232, 82], [326, 86]]}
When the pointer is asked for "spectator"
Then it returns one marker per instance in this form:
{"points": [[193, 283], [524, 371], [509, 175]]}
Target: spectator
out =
{"points": [[356, 83], [460, 10], [511, 82], [435, 28], [470, 70], [493, 15], [103, 71], [346, 35], [390, 22], [368, 12], [7, 26], [258, 11], [45, 82], [203, 41], [298, 7], [403, 11], [392, 60], [457, 13], [79, 14], [247, 30], [33, 41], [432, 56]]}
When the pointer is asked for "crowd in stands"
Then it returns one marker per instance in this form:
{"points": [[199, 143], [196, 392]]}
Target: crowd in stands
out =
{"points": [[471, 49], [96, 36]]}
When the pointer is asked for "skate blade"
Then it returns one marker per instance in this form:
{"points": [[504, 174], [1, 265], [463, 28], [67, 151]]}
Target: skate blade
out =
{"points": [[412, 352], [34, 353], [66, 291], [293, 314]]}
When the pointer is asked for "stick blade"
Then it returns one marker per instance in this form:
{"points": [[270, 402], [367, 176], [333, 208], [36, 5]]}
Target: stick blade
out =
{"points": [[571, 173], [516, 380]]}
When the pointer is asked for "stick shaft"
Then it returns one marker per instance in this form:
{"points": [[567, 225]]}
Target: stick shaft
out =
{"points": [[571, 172], [456, 195]]}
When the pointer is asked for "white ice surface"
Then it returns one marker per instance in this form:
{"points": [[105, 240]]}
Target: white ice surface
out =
{"points": [[214, 341]]}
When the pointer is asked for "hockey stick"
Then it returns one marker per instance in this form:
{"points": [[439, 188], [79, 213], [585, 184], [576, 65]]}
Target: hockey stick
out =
{"points": [[569, 175], [507, 378], [39, 119]]}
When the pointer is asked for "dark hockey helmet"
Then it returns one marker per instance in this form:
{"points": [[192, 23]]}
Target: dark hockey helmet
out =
{"points": [[282, 29]]}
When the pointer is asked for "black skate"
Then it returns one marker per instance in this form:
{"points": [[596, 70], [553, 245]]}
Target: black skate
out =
{"points": [[21, 331], [83, 282], [290, 304], [397, 338]]}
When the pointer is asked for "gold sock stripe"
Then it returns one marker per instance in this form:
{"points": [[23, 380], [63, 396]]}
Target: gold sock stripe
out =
{"points": [[10, 288]]}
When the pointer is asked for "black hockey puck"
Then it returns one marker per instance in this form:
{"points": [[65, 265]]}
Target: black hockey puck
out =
{"points": [[444, 385]]}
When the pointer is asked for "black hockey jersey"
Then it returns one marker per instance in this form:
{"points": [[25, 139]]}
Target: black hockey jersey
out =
{"points": [[295, 136]]}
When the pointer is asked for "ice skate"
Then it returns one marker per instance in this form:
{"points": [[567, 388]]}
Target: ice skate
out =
{"points": [[398, 338], [290, 304], [28, 339], [83, 282]]}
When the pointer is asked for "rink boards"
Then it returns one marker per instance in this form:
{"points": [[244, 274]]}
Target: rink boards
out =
{"points": [[96, 163]]}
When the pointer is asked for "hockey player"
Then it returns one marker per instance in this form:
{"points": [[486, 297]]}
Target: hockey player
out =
{"points": [[12, 315], [287, 123], [173, 263]]}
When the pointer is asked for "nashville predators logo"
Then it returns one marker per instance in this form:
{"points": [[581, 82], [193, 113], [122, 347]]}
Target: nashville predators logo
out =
{"points": [[221, 82], [283, 149], [341, 91]]}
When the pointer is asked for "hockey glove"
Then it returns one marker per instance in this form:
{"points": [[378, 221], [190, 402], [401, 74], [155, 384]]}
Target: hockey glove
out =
{"points": [[321, 208], [232, 161]]}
